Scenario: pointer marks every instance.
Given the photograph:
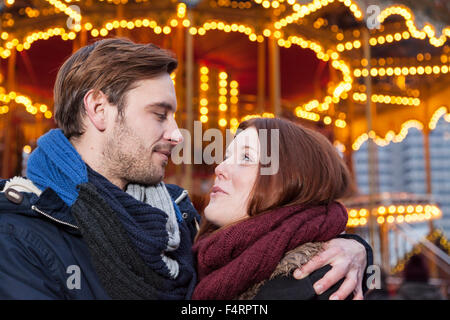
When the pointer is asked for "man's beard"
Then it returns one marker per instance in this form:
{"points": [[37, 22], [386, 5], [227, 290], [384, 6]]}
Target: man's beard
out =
{"points": [[127, 158]]}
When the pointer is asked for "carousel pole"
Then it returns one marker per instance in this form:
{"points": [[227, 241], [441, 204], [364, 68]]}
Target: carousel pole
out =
{"points": [[348, 146], [373, 163], [189, 95], [427, 158], [11, 84], [274, 65], [261, 95], [119, 15], [179, 43]]}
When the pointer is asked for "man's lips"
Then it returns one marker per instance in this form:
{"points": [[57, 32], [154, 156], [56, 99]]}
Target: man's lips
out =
{"points": [[164, 153]]}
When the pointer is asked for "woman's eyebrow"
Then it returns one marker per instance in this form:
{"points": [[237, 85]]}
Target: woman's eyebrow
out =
{"points": [[249, 147]]}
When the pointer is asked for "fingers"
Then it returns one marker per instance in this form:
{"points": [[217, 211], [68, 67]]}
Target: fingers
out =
{"points": [[336, 273], [349, 285], [359, 294], [321, 259]]}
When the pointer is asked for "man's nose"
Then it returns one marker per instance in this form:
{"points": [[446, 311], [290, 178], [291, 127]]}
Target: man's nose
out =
{"points": [[173, 133]]}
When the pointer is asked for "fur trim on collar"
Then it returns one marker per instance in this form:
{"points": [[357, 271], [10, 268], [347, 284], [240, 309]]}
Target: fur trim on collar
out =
{"points": [[291, 261]]}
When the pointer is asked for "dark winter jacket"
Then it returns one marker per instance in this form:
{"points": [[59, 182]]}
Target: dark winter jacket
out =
{"points": [[41, 248], [283, 286]]}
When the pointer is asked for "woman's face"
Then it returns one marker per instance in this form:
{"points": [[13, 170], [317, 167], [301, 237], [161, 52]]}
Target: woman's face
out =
{"points": [[235, 178]]}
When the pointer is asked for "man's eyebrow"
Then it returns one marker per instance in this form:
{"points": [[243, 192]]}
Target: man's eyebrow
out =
{"points": [[164, 105]]}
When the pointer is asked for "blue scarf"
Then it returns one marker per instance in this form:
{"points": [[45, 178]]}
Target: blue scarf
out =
{"points": [[57, 165]]}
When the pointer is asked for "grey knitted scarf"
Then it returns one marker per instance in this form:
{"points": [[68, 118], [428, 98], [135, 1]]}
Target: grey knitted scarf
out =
{"points": [[157, 196]]}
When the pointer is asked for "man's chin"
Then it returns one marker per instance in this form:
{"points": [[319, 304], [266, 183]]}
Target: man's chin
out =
{"points": [[148, 181]]}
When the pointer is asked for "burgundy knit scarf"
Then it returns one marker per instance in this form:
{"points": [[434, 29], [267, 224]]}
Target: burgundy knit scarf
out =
{"points": [[235, 258]]}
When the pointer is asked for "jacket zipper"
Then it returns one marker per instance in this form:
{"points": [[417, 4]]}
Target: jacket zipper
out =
{"points": [[33, 207], [181, 197]]}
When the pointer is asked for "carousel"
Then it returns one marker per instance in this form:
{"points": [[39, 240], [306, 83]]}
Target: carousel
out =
{"points": [[358, 71]]}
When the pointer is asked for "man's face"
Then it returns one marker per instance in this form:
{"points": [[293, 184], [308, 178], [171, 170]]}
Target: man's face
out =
{"points": [[139, 143]]}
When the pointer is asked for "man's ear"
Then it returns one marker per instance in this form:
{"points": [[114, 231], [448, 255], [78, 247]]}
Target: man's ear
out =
{"points": [[95, 104]]}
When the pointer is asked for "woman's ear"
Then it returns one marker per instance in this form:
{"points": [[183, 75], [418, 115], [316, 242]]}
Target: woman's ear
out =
{"points": [[95, 103]]}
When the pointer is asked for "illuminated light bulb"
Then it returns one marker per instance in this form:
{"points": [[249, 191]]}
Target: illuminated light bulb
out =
{"points": [[380, 220], [223, 75], [204, 102], [204, 70], [390, 219], [222, 99], [204, 118], [43, 108], [186, 23], [27, 149], [204, 110], [222, 122]]}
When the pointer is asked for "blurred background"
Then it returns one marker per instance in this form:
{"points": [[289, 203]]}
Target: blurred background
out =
{"points": [[371, 75]]}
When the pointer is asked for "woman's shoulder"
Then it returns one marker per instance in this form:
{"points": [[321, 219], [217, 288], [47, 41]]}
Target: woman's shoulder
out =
{"points": [[283, 286], [282, 277]]}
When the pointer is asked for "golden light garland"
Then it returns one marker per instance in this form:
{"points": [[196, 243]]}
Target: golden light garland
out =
{"points": [[380, 98], [31, 108], [222, 99], [394, 214], [203, 96], [405, 71], [396, 138], [299, 11], [234, 99], [436, 236]]}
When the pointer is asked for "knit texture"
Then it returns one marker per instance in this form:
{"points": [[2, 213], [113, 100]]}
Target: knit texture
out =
{"points": [[56, 164], [239, 256], [157, 196]]}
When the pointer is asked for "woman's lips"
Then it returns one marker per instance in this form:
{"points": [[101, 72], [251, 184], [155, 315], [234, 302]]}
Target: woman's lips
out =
{"points": [[217, 190]]}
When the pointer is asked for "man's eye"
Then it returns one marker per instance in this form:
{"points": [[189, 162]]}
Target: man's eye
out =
{"points": [[161, 116]]}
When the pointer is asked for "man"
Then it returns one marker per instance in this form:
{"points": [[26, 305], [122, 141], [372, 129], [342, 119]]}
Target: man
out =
{"points": [[94, 220]]}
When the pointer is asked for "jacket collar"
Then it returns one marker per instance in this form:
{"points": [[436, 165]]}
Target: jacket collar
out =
{"points": [[50, 206]]}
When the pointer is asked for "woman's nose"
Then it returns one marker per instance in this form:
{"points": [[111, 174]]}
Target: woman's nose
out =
{"points": [[222, 169]]}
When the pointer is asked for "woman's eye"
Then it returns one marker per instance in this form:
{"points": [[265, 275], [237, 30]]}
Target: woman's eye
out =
{"points": [[246, 157]]}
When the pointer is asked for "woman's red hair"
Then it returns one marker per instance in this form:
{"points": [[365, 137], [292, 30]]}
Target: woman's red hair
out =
{"points": [[311, 171]]}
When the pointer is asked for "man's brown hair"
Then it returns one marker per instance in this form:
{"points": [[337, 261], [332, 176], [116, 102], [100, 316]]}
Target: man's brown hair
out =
{"points": [[111, 66]]}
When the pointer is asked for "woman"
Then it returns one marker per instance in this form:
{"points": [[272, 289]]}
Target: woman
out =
{"points": [[260, 227]]}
